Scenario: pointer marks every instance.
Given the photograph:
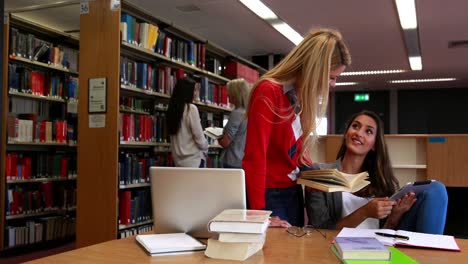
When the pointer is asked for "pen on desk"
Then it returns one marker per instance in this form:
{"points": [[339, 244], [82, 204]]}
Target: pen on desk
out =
{"points": [[390, 235]]}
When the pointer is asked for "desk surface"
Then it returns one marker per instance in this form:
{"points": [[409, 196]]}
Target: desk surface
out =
{"points": [[280, 247]]}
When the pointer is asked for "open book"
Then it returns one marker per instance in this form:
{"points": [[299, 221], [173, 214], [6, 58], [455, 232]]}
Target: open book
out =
{"points": [[333, 180], [398, 238], [214, 132]]}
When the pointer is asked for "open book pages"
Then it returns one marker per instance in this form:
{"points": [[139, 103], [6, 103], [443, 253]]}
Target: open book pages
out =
{"points": [[361, 248], [232, 250], [214, 132], [158, 244], [240, 221], [333, 180], [415, 239]]}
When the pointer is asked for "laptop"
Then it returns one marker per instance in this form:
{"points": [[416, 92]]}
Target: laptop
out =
{"points": [[185, 199]]}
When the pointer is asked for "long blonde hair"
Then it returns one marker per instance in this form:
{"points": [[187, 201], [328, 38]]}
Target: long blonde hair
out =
{"points": [[239, 90], [308, 67]]}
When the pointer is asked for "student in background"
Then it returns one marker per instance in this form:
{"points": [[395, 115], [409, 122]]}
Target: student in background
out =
{"points": [[282, 113], [189, 146], [233, 140], [364, 149]]}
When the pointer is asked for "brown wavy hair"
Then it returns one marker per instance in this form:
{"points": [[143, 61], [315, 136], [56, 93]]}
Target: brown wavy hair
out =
{"points": [[377, 162]]}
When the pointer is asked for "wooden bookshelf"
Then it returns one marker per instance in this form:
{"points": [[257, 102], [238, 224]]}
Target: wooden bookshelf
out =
{"points": [[101, 148], [98, 147], [3, 125], [42, 64]]}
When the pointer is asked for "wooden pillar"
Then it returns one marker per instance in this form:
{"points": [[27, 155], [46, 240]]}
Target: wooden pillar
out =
{"points": [[98, 147]]}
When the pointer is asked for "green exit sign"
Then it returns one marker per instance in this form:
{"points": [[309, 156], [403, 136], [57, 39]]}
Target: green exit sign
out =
{"points": [[361, 97]]}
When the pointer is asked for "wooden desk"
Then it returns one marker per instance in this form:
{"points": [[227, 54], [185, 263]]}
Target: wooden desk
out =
{"points": [[280, 247]]}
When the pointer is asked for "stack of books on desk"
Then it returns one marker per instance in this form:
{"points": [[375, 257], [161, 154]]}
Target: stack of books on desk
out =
{"points": [[241, 233]]}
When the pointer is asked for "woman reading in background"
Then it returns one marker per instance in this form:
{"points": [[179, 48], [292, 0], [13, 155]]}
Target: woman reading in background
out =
{"points": [[282, 113], [233, 140], [364, 149]]}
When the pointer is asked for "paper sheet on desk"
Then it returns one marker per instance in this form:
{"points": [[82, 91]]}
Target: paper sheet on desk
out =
{"points": [[416, 239]]}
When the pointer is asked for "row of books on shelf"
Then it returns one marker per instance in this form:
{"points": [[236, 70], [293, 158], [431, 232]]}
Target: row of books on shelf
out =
{"points": [[151, 37], [135, 104], [134, 167], [21, 166], [135, 231], [26, 200], [143, 128], [134, 206], [40, 230], [26, 128], [210, 93], [236, 69], [27, 45], [24, 79], [149, 77]]}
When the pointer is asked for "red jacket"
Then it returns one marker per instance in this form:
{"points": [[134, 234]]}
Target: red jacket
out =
{"points": [[272, 146]]}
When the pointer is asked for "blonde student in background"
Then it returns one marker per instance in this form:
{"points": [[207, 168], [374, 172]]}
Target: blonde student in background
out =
{"points": [[189, 146], [233, 140], [364, 149], [282, 113]]}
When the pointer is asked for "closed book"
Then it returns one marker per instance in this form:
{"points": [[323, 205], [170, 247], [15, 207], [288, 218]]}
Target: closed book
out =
{"points": [[333, 180], [398, 257], [241, 237], [231, 251], [173, 243], [361, 248], [240, 221]]}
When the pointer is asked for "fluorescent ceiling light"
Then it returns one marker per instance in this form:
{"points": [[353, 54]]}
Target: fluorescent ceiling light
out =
{"points": [[288, 32], [345, 83], [415, 63], [371, 72], [424, 80], [407, 13], [259, 8]]}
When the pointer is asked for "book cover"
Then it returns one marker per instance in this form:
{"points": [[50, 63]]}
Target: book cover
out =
{"points": [[397, 257], [231, 251], [240, 221], [333, 180], [361, 248], [157, 244]]}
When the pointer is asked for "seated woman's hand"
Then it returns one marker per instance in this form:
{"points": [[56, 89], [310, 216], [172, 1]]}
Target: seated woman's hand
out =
{"points": [[379, 208], [275, 221], [404, 204]]}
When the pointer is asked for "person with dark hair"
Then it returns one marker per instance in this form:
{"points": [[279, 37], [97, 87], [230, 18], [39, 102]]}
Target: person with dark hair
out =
{"points": [[189, 146], [364, 149]]}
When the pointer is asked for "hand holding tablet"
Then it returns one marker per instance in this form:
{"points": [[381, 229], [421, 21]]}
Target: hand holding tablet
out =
{"points": [[416, 187]]}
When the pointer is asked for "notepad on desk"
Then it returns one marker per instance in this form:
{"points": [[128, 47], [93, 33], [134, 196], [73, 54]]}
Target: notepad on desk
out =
{"points": [[169, 244], [415, 239], [333, 180]]}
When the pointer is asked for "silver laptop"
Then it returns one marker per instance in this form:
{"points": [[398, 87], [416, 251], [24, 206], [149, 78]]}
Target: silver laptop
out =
{"points": [[185, 199]]}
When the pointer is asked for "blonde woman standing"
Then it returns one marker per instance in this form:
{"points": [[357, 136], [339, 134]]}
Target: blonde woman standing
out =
{"points": [[233, 140], [282, 113]]}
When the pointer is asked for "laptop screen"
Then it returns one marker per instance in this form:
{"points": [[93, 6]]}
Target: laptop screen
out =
{"points": [[185, 199]]}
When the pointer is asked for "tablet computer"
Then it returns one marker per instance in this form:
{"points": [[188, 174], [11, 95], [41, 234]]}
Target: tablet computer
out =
{"points": [[416, 187]]}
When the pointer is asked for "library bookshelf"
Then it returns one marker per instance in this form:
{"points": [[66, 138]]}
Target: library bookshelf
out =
{"points": [[38, 136], [139, 78], [414, 157]]}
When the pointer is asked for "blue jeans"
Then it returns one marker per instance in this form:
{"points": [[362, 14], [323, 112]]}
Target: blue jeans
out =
{"points": [[428, 213], [287, 203]]}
